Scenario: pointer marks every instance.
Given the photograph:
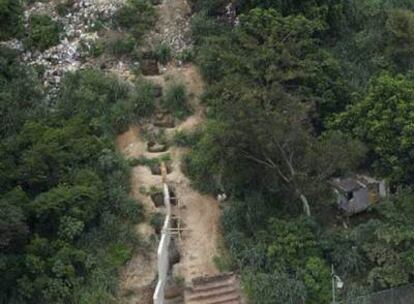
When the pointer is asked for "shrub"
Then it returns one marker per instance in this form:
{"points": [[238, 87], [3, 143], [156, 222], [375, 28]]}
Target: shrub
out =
{"points": [[91, 48], [175, 100], [137, 16], [121, 117], [20, 92], [120, 45], [187, 139], [278, 287], [43, 32], [90, 93], [142, 99], [131, 210], [150, 162], [186, 56], [96, 49], [63, 7], [156, 221], [163, 53], [10, 18]]}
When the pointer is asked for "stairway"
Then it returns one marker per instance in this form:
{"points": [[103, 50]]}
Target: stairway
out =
{"points": [[175, 300], [219, 289]]}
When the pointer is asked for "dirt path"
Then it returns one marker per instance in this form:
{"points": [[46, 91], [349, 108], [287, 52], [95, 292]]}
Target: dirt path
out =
{"points": [[139, 275], [199, 214]]}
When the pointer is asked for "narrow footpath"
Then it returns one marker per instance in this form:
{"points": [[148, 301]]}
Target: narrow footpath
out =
{"points": [[198, 215]]}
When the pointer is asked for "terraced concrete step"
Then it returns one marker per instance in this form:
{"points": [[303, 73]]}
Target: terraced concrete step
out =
{"points": [[218, 289], [205, 294], [224, 299], [213, 285], [177, 300], [209, 279]]}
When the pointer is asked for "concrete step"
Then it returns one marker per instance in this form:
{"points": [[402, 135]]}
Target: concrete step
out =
{"points": [[205, 294], [218, 289], [213, 285], [177, 300], [224, 299]]}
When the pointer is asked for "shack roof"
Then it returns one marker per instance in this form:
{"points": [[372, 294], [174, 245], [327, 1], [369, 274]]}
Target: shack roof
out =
{"points": [[346, 184]]}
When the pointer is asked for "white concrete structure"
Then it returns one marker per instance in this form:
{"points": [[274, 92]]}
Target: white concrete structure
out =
{"points": [[162, 253]]}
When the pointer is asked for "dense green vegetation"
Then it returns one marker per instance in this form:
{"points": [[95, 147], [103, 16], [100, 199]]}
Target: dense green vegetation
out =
{"points": [[66, 218], [10, 18], [66, 223], [43, 32], [137, 16], [176, 100], [299, 92]]}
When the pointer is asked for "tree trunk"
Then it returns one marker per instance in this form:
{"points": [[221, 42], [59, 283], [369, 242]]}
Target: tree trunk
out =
{"points": [[305, 203]]}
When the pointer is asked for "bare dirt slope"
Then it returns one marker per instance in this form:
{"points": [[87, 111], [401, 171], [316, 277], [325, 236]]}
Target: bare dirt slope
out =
{"points": [[139, 275], [199, 213]]}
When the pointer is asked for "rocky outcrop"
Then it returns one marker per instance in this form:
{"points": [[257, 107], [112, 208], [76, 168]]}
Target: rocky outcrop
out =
{"points": [[79, 33]]}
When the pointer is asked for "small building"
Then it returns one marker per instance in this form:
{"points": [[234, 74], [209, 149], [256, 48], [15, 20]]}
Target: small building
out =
{"points": [[356, 194]]}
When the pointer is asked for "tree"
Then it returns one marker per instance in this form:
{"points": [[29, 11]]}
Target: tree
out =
{"points": [[400, 28], [10, 18], [383, 120], [264, 123], [13, 227], [20, 93], [274, 288], [317, 278]]}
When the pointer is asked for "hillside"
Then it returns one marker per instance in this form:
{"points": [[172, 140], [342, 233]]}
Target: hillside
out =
{"points": [[284, 129]]}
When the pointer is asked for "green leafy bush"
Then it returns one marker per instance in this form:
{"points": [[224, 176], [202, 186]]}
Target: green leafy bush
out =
{"points": [[43, 32], [96, 48], [20, 93], [60, 176], [176, 100], [187, 139], [163, 53], [142, 99], [157, 221], [10, 18], [260, 287], [120, 45], [186, 56], [90, 93], [136, 16], [63, 7]]}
